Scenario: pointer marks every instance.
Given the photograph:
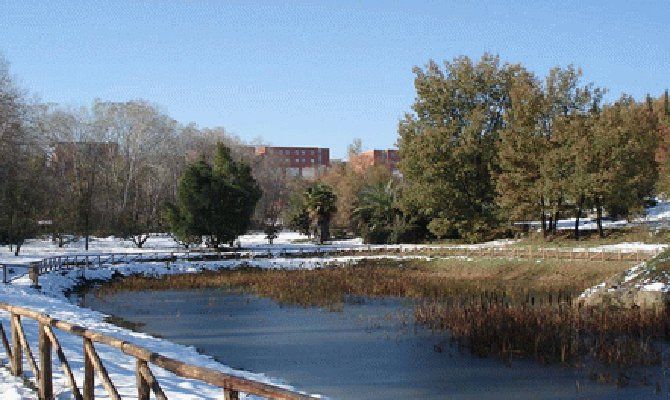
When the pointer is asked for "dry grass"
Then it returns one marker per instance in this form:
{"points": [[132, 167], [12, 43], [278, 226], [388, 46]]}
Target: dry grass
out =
{"points": [[491, 306], [434, 280]]}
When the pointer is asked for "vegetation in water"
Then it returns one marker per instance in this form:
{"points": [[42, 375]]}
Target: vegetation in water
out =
{"points": [[500, 308]]}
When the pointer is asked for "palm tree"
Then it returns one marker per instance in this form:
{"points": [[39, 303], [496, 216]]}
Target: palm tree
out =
{"points": [[375, 211], [320, 205]]}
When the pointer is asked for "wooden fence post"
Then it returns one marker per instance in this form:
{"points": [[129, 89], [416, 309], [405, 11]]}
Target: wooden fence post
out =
{"points": [[143, 392], [45, 379], [89, 373], [231, 394], [34, 274], [17, 350]]}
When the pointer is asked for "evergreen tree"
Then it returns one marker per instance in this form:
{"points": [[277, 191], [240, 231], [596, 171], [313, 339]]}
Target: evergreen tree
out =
{"points": [[375, 212], [448, 146], [521, 149], [214, 201], [627, 141], [663, 152]]}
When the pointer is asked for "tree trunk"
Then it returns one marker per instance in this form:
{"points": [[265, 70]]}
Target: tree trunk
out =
{"points": [[86, 241], [139, 240], [543, 218], [324, 230], [599, 220], [580, 204], [557, 215], [17, 249]]}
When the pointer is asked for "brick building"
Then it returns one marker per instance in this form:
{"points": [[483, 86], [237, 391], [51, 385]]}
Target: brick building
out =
{"points": [[306, 162], [388, 158]]}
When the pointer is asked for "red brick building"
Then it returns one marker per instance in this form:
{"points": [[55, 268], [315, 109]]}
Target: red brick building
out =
{"points": [[388, 158], [307, 162]]}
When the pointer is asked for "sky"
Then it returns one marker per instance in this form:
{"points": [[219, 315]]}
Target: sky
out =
{"points": [[317, 73]]}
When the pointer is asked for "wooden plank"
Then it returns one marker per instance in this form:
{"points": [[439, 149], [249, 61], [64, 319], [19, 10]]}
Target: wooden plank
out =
{"points": [[5, 343], [89, 374], [45, 382], [151, 381], [17, 352], [102, 371], [63, 361], [142, 384], [29, 353]]}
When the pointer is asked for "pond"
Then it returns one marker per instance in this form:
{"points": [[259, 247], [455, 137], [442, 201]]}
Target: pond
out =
{"points": [[368, 349]]}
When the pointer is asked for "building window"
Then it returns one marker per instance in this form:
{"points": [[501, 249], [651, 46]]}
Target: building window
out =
{"points": [[303, 152], [297, 160], [312, 161]]}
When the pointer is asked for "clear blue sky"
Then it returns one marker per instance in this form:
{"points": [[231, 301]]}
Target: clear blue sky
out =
{"points": [[314, 73]]}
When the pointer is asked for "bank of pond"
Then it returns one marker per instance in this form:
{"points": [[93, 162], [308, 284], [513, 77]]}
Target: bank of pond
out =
{"points": [[388, 329]]}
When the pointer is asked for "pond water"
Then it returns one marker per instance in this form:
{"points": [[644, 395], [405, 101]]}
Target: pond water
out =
{"points": [[367, 350]]}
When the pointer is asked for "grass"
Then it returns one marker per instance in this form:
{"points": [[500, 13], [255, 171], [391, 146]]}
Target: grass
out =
{"points": [[592, 239], [436, 280]]}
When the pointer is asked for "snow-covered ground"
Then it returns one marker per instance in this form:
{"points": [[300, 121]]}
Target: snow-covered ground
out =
{"points": [[50, 299], [659, 212], [643, 277], [658, 215]]}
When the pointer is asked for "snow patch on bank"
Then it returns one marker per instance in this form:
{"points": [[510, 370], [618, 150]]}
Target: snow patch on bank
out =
{"points": [[644, 277], [50, 299]]}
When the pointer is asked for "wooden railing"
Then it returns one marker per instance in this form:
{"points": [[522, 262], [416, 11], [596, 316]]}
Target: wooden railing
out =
{"points": [[146, 381], [519, 252]]}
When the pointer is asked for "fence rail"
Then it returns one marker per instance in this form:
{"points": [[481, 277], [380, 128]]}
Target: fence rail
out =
{"points": [[146, 381], [518, 252]]}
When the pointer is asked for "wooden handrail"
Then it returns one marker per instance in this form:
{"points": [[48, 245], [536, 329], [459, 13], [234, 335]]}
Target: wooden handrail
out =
{"points": [[231, 384], [67, 261]]}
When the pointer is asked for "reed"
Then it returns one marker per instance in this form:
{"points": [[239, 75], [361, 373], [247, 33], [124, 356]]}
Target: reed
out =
{"points": [[493, 308], [552, 333]]}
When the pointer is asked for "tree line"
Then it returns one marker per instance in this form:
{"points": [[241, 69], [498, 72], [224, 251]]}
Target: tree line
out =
{"points": [[491, 143], [112, 169], [486, 144]]}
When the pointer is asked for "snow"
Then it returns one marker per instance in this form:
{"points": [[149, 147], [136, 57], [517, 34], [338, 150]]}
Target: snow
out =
{"points": [[50, 299], [644, 277], [658, 215], [659, 212], [631, 247]]}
